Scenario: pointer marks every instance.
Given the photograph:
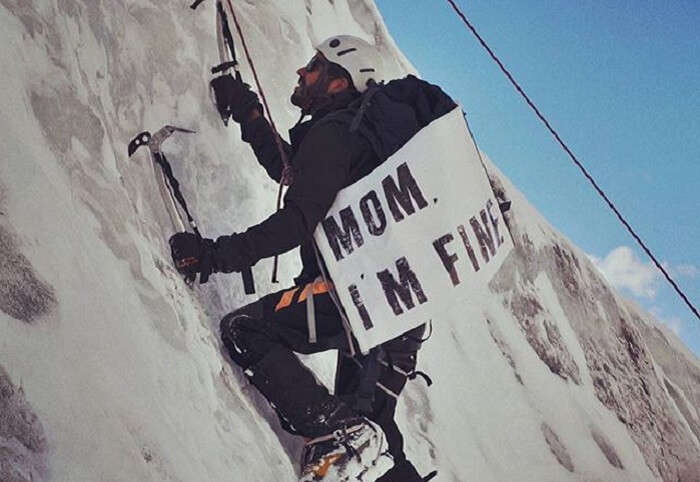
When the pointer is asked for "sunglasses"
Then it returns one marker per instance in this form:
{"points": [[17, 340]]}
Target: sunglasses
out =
{"points": [[315, 62]]}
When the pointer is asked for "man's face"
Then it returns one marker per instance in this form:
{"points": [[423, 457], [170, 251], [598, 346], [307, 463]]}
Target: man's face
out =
{"points": [[314, 83], [309, 74]]}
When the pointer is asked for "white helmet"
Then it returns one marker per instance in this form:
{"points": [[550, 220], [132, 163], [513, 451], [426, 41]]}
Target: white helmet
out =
{"points": [[359, 58]]}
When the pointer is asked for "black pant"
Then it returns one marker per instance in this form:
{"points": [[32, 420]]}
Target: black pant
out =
{"points": [[261, 338]]}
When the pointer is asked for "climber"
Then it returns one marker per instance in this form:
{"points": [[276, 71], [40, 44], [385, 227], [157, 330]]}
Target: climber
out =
{"points": [[356, 122]]}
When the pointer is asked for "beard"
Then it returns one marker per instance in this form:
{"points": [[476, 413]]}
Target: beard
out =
{"points": [[310, 97], [300, 97]]}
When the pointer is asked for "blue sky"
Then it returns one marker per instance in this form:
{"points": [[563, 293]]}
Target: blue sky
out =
{"points": [[620, 81]]}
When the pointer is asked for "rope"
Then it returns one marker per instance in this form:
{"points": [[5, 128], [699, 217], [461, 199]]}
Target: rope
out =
{"points": [[575, 159], [286, 172]]}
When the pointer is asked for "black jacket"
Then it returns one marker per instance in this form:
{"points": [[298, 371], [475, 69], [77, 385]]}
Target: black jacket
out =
{"points": [[328, 153]]}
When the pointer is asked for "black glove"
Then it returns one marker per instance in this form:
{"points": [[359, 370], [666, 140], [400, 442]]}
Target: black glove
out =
{"points": [[234, 98], [191, 255]]}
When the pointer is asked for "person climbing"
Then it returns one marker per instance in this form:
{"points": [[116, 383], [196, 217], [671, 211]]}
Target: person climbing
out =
{"points": [[357, 122]]}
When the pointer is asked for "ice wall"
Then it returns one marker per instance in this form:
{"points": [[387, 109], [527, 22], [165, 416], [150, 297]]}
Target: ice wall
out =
{"points": [[110, 367]]}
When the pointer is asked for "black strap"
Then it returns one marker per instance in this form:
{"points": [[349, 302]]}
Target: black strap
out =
{"points": [[415, 373], [412, 375], [371, 368], [228, 38], [175, 186], [366, 102], [423, 340], [430, 476], [221, 67]]}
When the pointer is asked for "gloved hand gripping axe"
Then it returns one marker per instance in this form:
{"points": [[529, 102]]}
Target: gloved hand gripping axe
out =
{"points": [[169, 188], [219, 87]]}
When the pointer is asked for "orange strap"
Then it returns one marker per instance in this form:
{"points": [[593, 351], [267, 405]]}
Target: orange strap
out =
{"points": [[286, 299], [319, 286]]}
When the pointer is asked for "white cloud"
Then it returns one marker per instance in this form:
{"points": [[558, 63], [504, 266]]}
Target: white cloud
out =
{"points": [[623, 269]]}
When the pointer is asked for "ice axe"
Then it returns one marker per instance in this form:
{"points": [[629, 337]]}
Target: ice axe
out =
{"points": [[169, 188]]}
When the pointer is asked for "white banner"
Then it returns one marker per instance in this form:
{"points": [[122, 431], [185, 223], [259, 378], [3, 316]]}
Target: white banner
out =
{"points": [[423, 231]]}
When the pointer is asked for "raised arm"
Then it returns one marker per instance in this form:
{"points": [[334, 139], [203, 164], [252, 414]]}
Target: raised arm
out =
{"points": [[323, 165], [235, 99], [259, 134]]}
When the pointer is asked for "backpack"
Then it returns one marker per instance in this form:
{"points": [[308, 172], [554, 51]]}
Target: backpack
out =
{"points": [[388, 115]]}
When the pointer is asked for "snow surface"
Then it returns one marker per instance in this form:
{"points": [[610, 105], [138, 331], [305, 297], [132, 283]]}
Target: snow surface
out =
{"points": [[110, 367]]}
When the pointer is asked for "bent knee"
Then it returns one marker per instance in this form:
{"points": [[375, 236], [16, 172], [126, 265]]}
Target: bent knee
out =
{"points": [[236, 319], [241, 338], [227, 323], [233, 328]]}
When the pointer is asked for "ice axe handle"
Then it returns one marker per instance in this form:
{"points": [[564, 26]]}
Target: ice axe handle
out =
{"points": [[248, 281]]}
